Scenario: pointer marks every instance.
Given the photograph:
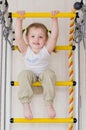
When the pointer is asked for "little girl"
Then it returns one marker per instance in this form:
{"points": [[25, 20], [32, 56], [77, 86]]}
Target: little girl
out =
{"points": [[36, 57]]}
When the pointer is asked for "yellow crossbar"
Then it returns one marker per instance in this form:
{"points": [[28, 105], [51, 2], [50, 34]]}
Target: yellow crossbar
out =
{"points": [[38, 84], [43, 120], [56, 48], [63, 48], [45, 15]]}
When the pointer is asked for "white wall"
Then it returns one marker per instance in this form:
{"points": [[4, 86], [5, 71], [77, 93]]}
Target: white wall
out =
{"points": [[59, 63]]}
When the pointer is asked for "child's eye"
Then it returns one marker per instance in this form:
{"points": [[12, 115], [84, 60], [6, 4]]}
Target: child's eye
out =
{"points": [[40, 36], [32, 36]]}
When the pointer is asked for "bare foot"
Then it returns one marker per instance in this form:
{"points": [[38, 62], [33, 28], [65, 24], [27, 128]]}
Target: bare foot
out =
{"points": [[27, 111], [51, 111]]}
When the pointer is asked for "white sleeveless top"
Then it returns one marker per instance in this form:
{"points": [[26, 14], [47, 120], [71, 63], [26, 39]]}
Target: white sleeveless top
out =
{"points": [[37, 63]]}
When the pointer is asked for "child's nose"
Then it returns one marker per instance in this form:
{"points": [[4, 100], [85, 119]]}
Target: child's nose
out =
{"points": [[36, 39]]}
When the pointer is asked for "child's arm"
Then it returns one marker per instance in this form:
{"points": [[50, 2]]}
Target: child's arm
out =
{"points": [[18, 33], [51, 43]]}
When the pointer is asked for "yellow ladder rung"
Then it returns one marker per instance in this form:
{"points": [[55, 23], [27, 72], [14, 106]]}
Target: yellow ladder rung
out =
{"points": [[58, 83], [44, 15], [63, 48], [56, 48], [43, 120]]}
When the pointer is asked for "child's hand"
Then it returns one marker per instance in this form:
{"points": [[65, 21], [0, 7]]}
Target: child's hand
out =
{"points": [[54, 13], [21, 14]]}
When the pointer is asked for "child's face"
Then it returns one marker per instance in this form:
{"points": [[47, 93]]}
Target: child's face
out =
{"points": [[36, 38]]}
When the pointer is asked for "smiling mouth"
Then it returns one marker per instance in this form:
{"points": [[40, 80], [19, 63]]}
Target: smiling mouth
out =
{"points": [[36, 43]]}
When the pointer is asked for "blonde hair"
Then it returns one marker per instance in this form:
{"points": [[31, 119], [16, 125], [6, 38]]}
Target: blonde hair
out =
{"points": [[37, 25]]}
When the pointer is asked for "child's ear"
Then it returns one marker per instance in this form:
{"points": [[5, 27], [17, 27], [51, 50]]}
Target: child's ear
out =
{"points": [[26, 39]]}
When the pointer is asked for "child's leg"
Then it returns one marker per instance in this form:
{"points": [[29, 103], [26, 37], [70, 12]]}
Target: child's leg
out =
{"points": [[51, 111], [27, 111], [26, 78], [48, 79]]}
